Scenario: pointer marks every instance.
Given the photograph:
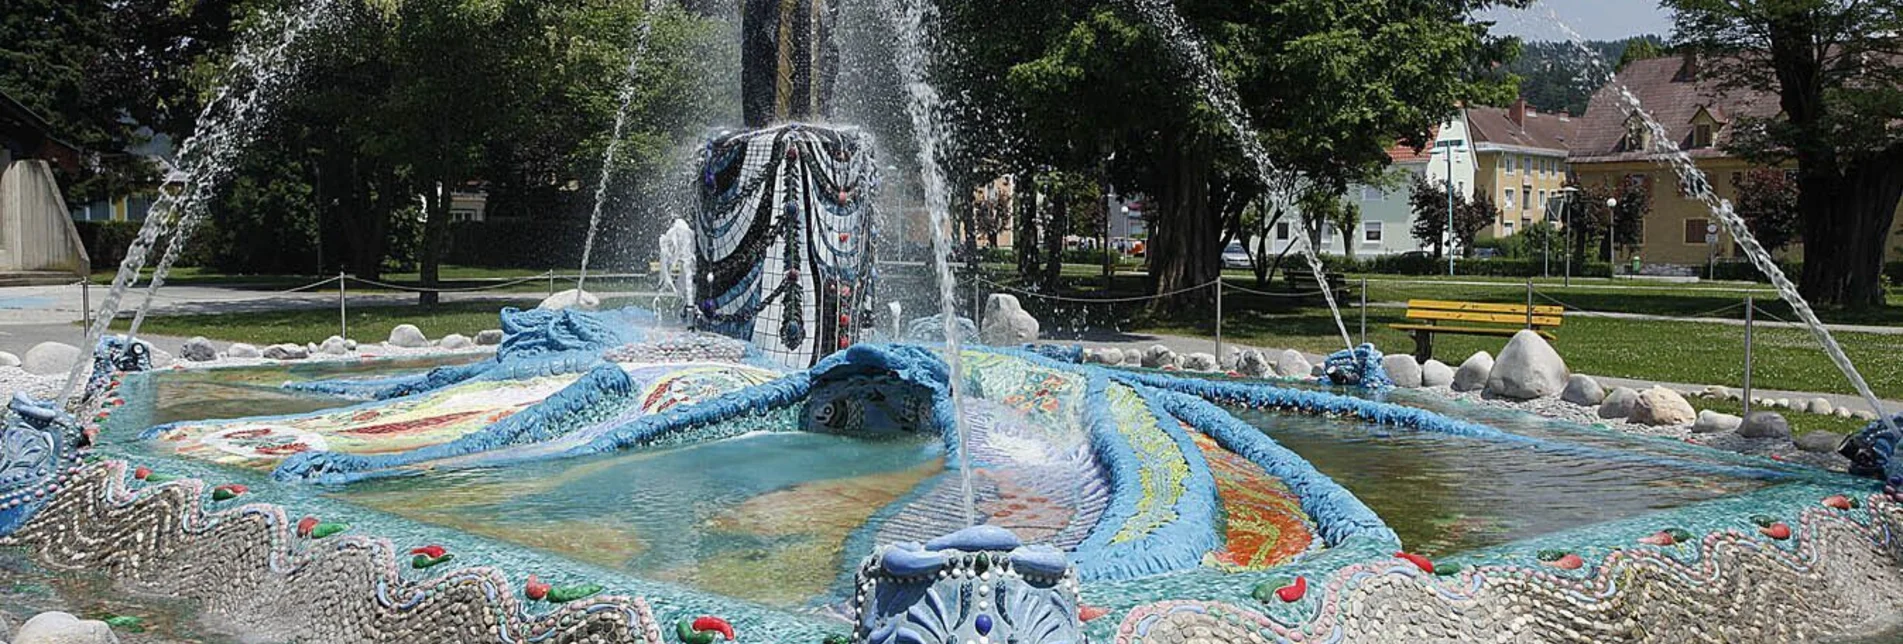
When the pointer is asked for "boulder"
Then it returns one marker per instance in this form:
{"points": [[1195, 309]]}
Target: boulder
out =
{"points": [[1661, 406], [1582, 390], [456, 342], [1619, 403], [286, 351], [9, 360], [50, 358], [1111, 356], [61, 628], [408, 336], [1403, 370], [350, 345], [1711, 422], [1764, 424], [1821, 442], [1527, 368], [1292, 364], [489, 337], [1864, 415], [1092, 356], [1132, 356], [1231, 357], [1255, 365], [1435, 373], [1158, 356], [242, 350], [1199, 362], [1841, 412], [1006, 323], [1820, 406], [1472, 375], [570, 299], [334, 346], [1717, 392], [198, 349]]}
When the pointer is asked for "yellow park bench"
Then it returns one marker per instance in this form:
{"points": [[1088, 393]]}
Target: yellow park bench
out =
{"points": [[1474, 318]]}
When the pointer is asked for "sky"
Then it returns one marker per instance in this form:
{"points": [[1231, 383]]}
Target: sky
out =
{"points": [[1593, 19]]}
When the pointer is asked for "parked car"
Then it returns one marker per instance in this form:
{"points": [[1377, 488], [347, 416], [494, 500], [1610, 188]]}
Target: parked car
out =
{"points": [[1235, 257]]}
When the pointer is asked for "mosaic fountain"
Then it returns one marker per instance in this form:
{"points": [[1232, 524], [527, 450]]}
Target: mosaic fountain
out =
{"points": [[776, 471]]}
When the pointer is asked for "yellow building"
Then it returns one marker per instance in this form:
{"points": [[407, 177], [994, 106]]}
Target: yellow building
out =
{"points": [[1518, 159], [1613, 147]]}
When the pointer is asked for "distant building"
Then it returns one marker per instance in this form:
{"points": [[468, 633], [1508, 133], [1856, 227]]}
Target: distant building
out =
{"points": [[1387, 219], [35, 233], [1615, 147], [1515, 155]]}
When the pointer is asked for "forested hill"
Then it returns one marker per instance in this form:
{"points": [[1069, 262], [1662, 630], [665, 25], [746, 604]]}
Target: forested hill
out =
{"points": [[1555, 77]]}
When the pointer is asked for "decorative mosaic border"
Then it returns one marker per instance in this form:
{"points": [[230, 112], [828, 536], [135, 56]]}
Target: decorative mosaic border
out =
{"points": [[1837, 568], [246, 565]]}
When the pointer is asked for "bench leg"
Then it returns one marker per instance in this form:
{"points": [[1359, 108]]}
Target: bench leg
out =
{"points": [[1423, 346]]}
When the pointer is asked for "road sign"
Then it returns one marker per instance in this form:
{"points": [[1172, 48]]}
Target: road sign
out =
{"points": [[1711, 229], [1711, 238]]}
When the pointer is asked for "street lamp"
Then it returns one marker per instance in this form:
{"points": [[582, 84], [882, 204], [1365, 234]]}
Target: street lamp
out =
{"points": [[1612, 232], [1567, 194]]}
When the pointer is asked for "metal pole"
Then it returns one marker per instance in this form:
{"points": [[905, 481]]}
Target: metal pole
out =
{"points": [[1364, 310], [551, 283], [343, 314], [1749, 308], [1566, 217], [1529, 302], [1219, 321], [86, 302], [1450, 209]]}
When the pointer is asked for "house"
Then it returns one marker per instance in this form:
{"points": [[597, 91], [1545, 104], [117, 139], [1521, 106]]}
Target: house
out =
{"points": [[1386, 217], [36, 236], [1515, 155], [1614, 146]]}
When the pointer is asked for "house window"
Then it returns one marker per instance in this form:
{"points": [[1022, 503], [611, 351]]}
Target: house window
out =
{"points": [[1542, 202], [1695, 231], [1509, 159], [462, 214], [1526, 197], [1509, 201], [1371, 232], [1372, 193], [1701, 136], [1509, 228], [1281, 231]]}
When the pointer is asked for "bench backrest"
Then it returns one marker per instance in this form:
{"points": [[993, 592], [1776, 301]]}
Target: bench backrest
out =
{"points": [[1514, 314]]}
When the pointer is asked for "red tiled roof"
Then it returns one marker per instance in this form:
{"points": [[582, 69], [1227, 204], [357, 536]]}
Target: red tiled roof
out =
{"points": [[1403, 153], [1539, 131], [1672, 98]]}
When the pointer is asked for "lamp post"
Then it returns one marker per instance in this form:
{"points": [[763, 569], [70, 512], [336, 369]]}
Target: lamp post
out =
{"points": [[1612, 234], [1567, 195], [1448, 234]]}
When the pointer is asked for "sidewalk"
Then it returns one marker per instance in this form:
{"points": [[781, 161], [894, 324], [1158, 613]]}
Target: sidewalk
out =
{"points": [[1761, 322]]}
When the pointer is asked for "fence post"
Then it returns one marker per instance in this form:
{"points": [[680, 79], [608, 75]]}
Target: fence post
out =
{"points": [[1749, 308], [1219, 320], [551, 282], [86, 302], [1529, 303], [1364, 310], [343, 314]]}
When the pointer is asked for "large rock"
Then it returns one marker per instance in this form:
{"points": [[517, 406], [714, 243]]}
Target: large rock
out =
{"points": [[9, 360], [198, 349], [50, 358], [334, 346], [1661, 406], [1110, 356], [1472, 375], [1765, 424], [1711, 422], [1527, 368], [571, 299], [1619, 403], [1582, 390], [1006, 323], [1819, 406], [1158, 356], [408, 337], [1292, 364], [1132, 356], [456, 342], [1435, 373], [489, 337], [61, 628], [242, 350], [286, 351], [1402, 369], [1821, 442], [1253, 364], [1200, 362]]}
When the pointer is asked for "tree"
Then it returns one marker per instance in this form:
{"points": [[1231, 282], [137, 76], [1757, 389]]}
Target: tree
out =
{"points": [[1768, 203], [1837, 71], [1428, 202], [1588, 218]]}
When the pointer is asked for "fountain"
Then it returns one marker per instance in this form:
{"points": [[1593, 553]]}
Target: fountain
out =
{"points": [[626, 99]]}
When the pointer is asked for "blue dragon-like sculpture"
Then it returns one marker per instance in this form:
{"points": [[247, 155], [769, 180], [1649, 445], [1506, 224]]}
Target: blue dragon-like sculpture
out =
{"points": [[979, 584], [39, 448]]}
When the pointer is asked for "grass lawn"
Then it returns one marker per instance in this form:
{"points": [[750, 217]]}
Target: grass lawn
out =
{"points": [[367, 323], [451, 277]]}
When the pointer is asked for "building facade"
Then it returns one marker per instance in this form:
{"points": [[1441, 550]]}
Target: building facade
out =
{"points": [[1615, 147], [1514, 155]]}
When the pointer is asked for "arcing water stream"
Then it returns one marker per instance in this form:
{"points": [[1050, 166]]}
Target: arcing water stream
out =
{"points": [[1698, 186], [922, 105], [1223, 97], [614, 140], [228, 124]]}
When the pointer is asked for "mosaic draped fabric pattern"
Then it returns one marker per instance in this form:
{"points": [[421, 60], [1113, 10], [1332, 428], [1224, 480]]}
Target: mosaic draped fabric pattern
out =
{"points": [[785, 239]]}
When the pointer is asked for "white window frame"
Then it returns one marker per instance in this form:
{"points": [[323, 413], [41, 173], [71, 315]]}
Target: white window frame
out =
{"points": [[1511, 199], [1372, 232]]}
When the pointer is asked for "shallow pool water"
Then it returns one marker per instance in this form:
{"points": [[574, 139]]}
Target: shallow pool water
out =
{"points": [[238, 392], [1447, 494], [763, 517]]}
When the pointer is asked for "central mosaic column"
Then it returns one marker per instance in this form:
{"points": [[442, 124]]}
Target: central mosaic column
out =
{"points": [[784, 237]]}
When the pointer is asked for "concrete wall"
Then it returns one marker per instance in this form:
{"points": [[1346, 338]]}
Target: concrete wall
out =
{"points": [[36, 230]]}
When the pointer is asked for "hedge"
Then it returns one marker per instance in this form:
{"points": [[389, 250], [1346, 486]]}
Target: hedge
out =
{"points": [[106, 241]]}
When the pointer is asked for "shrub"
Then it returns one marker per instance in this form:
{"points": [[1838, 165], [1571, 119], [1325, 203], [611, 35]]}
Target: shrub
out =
{"points": [[106, 241]]}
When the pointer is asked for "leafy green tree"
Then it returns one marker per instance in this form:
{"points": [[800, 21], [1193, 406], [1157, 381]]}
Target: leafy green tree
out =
{"points": [[1428, 202], [1835, 69], [1768, 202]]}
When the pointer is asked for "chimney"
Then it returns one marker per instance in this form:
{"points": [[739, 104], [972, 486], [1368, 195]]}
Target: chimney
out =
{"points": [[1517, 113], [1688, 66]]}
